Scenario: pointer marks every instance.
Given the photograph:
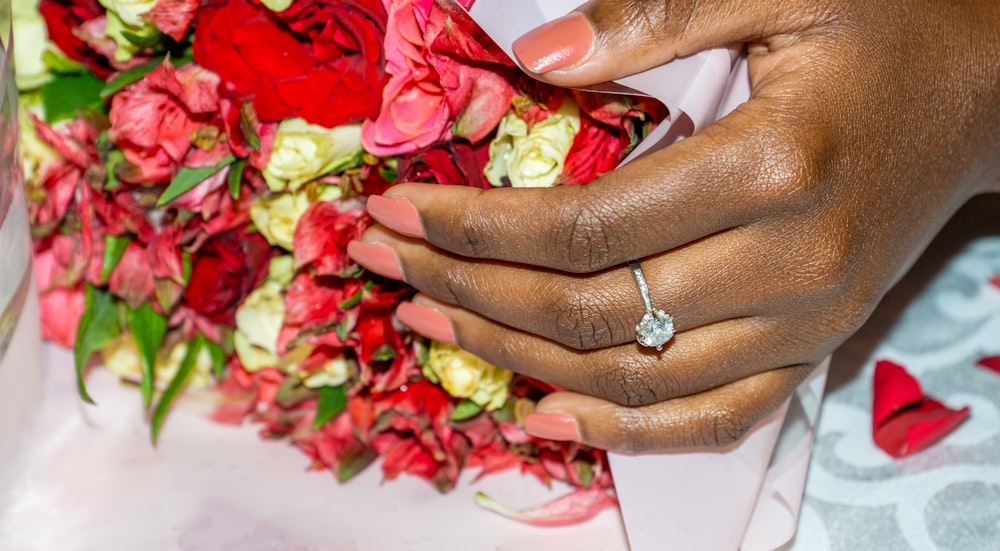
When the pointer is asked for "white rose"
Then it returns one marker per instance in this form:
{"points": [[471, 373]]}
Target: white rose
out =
{"points": [[258, 324], [121, 357], [128, 27], [464, 375], [32, 41], [333, 373], [304, 152], [276, 217], [532, 157], [35, 154]]}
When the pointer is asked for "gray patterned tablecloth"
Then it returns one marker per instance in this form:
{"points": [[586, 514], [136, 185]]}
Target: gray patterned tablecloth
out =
{"points": [[937, 322]]}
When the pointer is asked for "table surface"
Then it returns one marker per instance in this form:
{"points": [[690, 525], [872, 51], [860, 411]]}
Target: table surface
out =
{"points": [[97, 483]]}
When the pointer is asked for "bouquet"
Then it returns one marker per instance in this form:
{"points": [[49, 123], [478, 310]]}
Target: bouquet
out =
{"points": [[196, 170]]}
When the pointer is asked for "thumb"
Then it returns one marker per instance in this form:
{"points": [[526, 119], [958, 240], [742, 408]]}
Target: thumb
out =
{"points": [[607, 39]]}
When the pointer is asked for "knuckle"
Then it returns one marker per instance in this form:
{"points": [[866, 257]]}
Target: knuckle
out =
{"points": [[630, 382], [579, 320], [723, 427], [791, 167], [582, 242]]}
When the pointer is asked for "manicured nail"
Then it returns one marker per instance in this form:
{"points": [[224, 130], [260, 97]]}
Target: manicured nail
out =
{"points": [[397, 214], [554, 426], [376, 257], [427, 321], [556, 44]]}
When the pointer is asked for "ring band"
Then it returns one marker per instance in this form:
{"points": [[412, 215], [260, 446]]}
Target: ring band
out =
{"points": [[656, 327]]}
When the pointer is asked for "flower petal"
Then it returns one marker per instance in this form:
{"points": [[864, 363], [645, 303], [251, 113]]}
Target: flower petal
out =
{"points": [[573, 508]]}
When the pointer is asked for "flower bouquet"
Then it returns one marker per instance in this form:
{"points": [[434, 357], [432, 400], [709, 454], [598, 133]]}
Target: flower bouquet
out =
{"points": [[196, 170]]}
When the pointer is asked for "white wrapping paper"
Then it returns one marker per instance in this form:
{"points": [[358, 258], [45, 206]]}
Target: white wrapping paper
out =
{"points": [[746, 496]]}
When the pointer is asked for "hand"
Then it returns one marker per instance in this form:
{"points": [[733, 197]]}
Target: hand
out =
{"points": [[770, 236]]}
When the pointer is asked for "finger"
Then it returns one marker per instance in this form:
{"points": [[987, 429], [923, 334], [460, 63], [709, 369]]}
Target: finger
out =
{"points": [[726, 176], [588, 311], [719, 417], [694, 361], [607, 39]]}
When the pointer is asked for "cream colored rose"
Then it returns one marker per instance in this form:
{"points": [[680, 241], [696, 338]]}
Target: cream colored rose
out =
{"points": [[281, 270], [35, 154], [258, 324], [121, 357], [276, 217], [128, 27], [304, 152], [277, 6], [466, 376], [333, 373], [32, 41], [532, 157]]}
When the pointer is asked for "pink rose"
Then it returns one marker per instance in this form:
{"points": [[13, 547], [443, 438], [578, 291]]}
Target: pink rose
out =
{"points": [[184, 104], [60, 307], [443, 82]]}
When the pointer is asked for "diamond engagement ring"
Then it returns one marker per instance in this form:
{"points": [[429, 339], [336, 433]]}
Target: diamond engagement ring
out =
{"points": [[656, 327]]}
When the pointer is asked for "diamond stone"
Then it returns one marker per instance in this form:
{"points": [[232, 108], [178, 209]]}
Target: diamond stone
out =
{"points": [[654, 329]]}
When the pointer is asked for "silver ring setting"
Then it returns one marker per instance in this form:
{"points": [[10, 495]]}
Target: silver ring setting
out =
{"points": [[656, 327]]}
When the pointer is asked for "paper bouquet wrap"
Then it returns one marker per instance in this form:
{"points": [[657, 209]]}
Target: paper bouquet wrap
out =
{"points": [[746, 496]]}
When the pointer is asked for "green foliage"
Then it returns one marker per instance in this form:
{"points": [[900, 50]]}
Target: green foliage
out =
{"points": [[176, 384], [148, 328], [66, 95], [186, 178], [99, 324], [332, 400]]}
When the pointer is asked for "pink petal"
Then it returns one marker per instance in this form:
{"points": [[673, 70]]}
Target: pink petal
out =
{"points": [[574, 508]]}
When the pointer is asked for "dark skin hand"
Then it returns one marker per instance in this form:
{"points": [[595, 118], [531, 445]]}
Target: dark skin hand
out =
{"points": [[770, 236]]}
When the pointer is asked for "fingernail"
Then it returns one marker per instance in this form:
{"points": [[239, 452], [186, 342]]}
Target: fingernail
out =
{"points": [[397, 214], [556, 44], [554, 426], [376, 257], [427, 321]]}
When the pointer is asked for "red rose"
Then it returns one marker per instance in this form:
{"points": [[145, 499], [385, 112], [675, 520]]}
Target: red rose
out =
{"points": [[225, 269], [301, 62], [62, 18]]}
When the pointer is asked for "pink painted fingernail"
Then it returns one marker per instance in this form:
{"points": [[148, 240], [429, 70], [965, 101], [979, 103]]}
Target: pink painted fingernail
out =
{"points": [[554, 426], [396, 214], [427, 321], [556, 44], [376, 257]]}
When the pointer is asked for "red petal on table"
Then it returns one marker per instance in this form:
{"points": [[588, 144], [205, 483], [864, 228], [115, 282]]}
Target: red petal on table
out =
{"points": [[576, 507], [894, 389], [904, 420], [995, 281], [990, 362]]}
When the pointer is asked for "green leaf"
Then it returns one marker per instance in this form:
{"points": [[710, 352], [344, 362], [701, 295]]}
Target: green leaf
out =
{"points": [[127, 77], [218, 358], [247, 118], [186, 178], [385, 353], [235, 178], [98, 325], [114, 248], [353, 301], [168, 396], [67, 94], [355, 462], [142, 42], [186, 266], [59, 63], [115, 158], [332, 400], [466, 409], [148, 328]]}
